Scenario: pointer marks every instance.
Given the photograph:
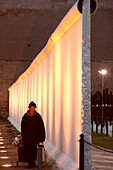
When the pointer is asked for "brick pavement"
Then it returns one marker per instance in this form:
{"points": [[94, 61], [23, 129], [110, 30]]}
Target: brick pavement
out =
{"points": [[8, 152], [100, 160]]}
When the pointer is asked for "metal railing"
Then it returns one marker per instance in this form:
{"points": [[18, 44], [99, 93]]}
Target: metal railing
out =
{"points": [[82, 141]]}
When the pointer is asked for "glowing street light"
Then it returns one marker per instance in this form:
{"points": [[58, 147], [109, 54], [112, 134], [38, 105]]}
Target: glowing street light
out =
{"points": [[103, 72]]}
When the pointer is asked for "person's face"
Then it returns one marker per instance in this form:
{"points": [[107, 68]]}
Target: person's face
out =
{"points": [[32, 109]]}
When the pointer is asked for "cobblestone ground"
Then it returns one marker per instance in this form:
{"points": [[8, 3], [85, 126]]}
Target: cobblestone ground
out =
{"points": [[8, 152], [102, 160]]}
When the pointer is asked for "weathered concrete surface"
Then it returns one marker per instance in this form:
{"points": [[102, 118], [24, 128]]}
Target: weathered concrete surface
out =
{"points": [[86, 84]]}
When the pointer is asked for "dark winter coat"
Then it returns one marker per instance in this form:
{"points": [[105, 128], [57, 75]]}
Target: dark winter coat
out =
{"points": [[32, 128]]}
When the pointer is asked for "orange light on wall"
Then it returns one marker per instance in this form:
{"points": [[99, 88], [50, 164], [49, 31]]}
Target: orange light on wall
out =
{"points": [[57, 86]]}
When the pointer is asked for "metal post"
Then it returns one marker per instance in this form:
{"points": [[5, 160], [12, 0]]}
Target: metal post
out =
{"points": [[92, 123], [103, 72], [96, 127], [101, 125], [112, 127], [81, 162], [102, 94], [40, 156], [107, 126], [102, 116]]}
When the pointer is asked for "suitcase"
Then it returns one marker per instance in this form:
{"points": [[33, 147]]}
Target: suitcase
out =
{"points": [[21, 154]]}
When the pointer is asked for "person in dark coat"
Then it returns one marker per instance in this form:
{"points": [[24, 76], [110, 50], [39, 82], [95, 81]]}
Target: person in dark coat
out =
{"points": [[33, 132]]}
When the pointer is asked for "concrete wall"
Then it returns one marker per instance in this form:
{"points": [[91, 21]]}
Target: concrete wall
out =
{"points": [[32, 22], [25, 27]]}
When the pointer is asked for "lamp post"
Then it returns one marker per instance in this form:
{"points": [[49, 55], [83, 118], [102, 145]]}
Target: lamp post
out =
{"points": [[103, 72]]}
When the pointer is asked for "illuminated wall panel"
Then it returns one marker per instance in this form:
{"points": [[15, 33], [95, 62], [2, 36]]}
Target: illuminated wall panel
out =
{"points": [[53, 81]]}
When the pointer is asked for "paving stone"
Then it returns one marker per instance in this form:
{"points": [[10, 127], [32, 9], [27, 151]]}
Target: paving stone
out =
{"points": [[7, 135], [102, 160]]}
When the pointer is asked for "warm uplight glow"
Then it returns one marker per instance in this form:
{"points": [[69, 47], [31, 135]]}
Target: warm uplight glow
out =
{"points": [[4, 157], [6, 165], [3, 151], [1, 137], [2, 147], [103, 72], [1, 143], [53, 80]]}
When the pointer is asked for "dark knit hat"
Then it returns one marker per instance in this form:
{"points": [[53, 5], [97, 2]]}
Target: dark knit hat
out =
{"points": [[32, 104]]}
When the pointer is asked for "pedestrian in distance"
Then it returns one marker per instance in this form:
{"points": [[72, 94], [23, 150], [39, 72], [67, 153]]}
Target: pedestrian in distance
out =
{"points": [[33, 132]]}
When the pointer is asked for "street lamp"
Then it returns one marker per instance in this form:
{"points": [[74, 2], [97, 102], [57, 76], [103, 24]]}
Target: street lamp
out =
{"points": [[103, 72]]}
